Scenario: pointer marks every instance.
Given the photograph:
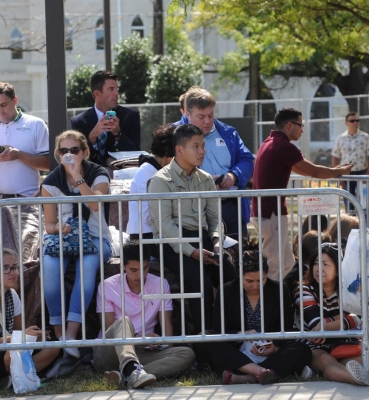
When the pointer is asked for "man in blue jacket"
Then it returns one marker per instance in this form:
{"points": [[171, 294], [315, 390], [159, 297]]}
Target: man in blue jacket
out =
{"points": [[226, 155]]}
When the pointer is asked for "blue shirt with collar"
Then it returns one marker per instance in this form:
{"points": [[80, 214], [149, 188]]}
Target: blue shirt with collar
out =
{"points": [[242, 161]]}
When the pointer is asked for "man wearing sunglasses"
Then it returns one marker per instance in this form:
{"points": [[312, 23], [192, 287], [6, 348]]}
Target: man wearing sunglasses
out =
{"points": [[119, 131], [24, 147], [352, 146], [275, 160]]}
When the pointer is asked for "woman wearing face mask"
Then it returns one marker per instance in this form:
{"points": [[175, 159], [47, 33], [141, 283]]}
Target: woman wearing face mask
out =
{"points": [[73, 177], [345, 370], [13, 317]]}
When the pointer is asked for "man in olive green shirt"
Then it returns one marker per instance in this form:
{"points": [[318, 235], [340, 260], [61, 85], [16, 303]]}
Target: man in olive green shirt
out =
{"points": [[182, 175]]}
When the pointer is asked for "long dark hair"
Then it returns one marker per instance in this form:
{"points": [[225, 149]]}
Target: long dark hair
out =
{"points": [[332, 250]]}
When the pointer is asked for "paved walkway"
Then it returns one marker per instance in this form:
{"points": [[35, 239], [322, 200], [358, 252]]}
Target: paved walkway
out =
{"points": [[284, 391]]}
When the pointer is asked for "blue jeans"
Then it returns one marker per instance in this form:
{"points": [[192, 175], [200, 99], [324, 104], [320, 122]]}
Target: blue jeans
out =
{"points": [[91, 263]]}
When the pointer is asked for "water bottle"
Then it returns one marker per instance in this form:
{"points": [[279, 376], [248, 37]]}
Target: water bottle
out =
{"points": [[68, 159]]}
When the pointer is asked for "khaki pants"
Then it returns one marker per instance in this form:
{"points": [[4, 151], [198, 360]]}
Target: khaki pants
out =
{"points": [[168, 362], [269, 234]]}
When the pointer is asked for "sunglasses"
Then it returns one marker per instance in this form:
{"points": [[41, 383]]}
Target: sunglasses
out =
{"points": [[353, 120], [74, 150], [8, 269]]}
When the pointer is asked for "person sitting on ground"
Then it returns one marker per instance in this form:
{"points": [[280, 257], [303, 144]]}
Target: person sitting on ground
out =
{"points": [[82, 178], [183, 175], [161, 155], [346, 370], [139, 365], [309, 245], [13, 317], [232, 360]]}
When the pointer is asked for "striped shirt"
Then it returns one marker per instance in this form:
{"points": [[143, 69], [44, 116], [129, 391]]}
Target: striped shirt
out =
{"points": [[312, 310]]}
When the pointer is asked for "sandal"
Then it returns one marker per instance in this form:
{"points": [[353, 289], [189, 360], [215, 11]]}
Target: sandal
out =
{"points": [[357, 373], [267, 376]]}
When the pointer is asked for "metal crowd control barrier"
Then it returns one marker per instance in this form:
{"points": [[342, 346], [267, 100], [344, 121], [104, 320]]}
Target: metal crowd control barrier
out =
{"points": [[199, 197]]}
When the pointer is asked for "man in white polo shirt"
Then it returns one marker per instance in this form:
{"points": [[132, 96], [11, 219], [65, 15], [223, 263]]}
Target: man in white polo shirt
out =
{"points": [[24, 141]]}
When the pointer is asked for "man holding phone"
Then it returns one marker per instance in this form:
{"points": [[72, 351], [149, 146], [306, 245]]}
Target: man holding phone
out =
{"points": [[158, 360], [107, 126], [24, 151]]}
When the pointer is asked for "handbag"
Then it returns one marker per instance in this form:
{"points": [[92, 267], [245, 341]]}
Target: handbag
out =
{"points": [[346, 350], [351, 273], [70, 244], [22, 366]]}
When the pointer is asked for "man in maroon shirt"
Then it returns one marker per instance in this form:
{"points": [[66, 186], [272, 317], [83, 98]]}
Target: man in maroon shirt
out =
{"points": [[275, 160]]}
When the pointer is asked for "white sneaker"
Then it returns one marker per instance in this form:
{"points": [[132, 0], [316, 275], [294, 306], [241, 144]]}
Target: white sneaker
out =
{"points": [[357, 373], [306, 373], [139, 378]]}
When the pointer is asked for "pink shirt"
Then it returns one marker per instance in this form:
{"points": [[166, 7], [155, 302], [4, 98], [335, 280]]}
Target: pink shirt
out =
{"points": [[113, 301]]}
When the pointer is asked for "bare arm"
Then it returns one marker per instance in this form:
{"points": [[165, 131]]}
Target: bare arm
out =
{"points": [[109, 319], [168, 322], [32, 160], [307, 168]]}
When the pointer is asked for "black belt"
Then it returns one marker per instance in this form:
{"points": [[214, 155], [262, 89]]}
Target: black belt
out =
{"points": [[10, 196]]}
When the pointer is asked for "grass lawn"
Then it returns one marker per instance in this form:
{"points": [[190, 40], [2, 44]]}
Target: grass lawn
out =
{"points": [[86, 379]]}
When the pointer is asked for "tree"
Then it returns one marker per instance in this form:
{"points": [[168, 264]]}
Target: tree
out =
{"points": [[179, 69], [293, 38], [132, 64], [78, 87]]}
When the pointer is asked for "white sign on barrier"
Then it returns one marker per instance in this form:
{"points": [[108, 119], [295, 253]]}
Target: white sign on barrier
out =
{"points": [[323, 204]]}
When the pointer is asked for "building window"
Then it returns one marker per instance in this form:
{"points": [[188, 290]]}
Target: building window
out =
{"points": [[100, 34], [68, 34], [17, 44], [138, 26]]}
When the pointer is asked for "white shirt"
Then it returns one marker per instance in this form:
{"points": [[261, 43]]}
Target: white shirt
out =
{"points": [[17, 303], [93, 221], [352, 149], [31, 135], [139, 185]]}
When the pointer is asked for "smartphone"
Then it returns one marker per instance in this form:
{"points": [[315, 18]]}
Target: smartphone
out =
{"points": [[262, 344], [218, 181], [160, 347], [110, 114], [2, 148], [215, 257]]}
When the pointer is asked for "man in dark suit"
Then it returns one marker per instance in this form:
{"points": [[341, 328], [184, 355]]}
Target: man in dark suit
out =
{"points": [[107, 133]]}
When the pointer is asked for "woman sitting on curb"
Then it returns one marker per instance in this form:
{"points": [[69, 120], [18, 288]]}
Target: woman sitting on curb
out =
{"points": [[231, 360], [346, 370]]}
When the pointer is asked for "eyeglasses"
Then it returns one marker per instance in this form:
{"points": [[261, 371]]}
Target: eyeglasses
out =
{"points": [[297, 123], [13, 268], [74, 150], [354, 120]]}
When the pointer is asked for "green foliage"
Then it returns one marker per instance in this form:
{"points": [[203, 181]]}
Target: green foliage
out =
{"points": [[133, 62], [78, 89], [173, 75], [179, 69], [292, 37]]}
